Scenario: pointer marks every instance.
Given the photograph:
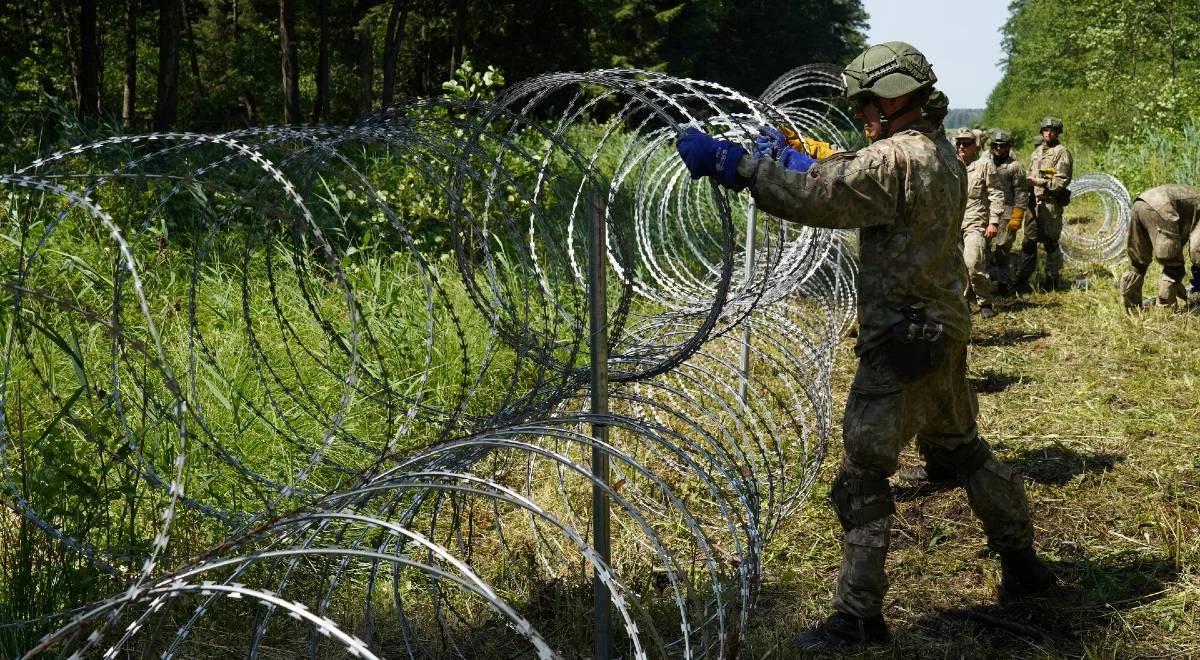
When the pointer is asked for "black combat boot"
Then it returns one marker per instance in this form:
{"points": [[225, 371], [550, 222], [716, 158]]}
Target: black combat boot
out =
{"points": [[843, 630], [1022, 573], [930, 475]]}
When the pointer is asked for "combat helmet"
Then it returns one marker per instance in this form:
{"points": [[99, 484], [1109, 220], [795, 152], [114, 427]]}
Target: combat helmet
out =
{"points": [[888, 70], [999, 136], [1053, 123], [936, 107]]}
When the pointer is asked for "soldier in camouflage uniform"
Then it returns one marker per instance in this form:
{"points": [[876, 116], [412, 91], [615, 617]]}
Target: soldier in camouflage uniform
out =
{"points": [[1162, 219], [1015, 187], [906, 194], [980, 136], [981, 220], [1049, 174]]}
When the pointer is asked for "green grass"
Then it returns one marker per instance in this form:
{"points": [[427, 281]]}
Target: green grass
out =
{"points": [[1100, 413]]}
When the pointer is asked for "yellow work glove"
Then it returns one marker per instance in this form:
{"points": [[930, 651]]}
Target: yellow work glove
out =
{"points": [[1014, 222], [815, 148]]}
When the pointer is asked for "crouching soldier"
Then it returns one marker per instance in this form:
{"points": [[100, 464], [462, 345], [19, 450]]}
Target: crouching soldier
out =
{"points": [[1162, 221]]}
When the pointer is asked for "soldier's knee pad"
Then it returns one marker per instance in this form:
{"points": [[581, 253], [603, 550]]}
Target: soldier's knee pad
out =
{"points": [[860, 501], [1028, 247], [1051, 247], [1174, 272], [964, 459]]}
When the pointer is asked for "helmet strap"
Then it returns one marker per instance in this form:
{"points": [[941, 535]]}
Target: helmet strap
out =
{"points": [[885, 118]]}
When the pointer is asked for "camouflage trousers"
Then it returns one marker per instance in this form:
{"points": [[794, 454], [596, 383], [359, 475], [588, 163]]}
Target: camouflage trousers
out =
{"points": [[975, 250], [1045, 227], [882, 415], [1000, 258], [1152, 237]]}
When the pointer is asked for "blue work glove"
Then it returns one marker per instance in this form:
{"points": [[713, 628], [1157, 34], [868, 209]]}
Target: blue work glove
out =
{"points": [[796, 161], [769, 143], [705, 156]]}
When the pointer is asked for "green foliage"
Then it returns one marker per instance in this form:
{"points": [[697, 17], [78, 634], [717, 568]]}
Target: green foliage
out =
{"points": [[1149, 158], [1109, 68], [469, 84], [229, 62]]}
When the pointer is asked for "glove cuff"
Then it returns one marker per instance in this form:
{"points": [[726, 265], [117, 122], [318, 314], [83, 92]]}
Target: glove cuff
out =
{"points": [[727, 158]]}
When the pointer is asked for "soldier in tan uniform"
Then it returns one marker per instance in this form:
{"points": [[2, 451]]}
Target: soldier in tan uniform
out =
{"points": [[906, 194], [1015, 187], [982, 218], [1163, 220], [1049, 174]]}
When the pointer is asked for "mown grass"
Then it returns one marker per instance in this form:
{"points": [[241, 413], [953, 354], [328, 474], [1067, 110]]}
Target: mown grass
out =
{"points": [[1099, 411]]}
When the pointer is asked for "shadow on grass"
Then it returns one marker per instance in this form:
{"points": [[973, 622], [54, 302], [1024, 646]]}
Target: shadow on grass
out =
{"points": [[1068, 620], [908, 491], [1011, 337], [1058, 465], [991, 382], [1073, 619]]}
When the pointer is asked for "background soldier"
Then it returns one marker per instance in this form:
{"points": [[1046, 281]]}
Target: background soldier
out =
{"points": [[980, 137], [906, 193], [1162, 219], [981, 219], [1049, 174], [1016, 199]]}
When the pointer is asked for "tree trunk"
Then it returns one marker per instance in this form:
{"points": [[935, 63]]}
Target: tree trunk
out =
{"points": [[129, 98], [322, 99], [166, 105], [426, 57], [193, 52], [89, 60], [457, 44], [290, 62], [72, 55], [249, 103], [366, 62], [397, 18]]}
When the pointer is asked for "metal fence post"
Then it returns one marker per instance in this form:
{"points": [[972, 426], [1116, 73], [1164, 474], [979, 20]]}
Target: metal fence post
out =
{"points": [[598, 328], [751, 228]]}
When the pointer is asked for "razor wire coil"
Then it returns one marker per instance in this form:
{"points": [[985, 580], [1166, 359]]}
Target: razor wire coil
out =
{"points": [[341, 406], [1104, 243]]}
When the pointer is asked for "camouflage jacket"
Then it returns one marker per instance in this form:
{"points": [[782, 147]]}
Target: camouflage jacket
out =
{"points": [[906, 195], [1012, 183], [1177, 204], [985, 200], [1052, 164]]}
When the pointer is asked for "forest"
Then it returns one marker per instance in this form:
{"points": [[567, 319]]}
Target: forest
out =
{"points": [[220, 64], [1112, 69]]}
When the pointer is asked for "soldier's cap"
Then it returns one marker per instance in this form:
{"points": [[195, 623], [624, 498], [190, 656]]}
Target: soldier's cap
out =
{"points": [[1000, 136], [964, 133]]}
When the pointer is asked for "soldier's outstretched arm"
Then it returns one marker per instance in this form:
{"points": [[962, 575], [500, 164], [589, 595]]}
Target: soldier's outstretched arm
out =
{"points": [[848, 190]]}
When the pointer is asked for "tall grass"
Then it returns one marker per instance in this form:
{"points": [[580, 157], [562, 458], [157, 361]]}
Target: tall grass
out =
{"points": [[1148, 159]]}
